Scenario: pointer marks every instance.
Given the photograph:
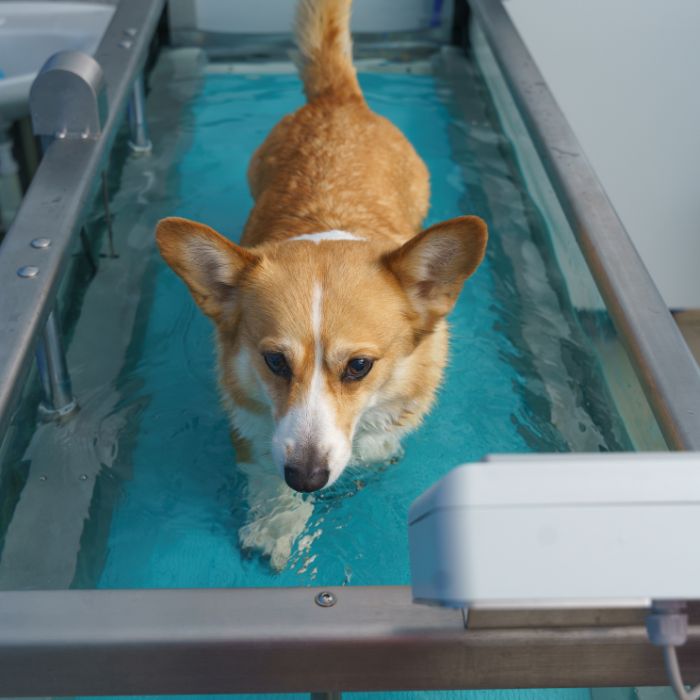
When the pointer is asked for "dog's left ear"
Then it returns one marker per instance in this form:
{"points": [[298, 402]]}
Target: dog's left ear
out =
{"points": [[434, 264], [210, 264]]}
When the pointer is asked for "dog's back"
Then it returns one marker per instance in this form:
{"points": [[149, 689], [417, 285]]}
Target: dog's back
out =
{"points": [[334, 164]]}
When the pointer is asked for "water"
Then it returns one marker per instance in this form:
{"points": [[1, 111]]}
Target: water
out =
{"points": [[521, 377], [167, 500]]}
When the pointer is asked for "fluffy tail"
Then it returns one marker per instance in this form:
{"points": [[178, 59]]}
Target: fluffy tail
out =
{"points": [[325, 45]]}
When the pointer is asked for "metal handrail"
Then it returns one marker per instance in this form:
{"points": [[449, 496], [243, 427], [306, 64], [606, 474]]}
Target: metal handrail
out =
{"points": [[55, 204], [280, 640], [665, 366]]}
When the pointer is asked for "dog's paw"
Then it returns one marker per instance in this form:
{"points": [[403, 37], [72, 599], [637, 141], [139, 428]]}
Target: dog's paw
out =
{"points": [[273, 534], [276, 516]]}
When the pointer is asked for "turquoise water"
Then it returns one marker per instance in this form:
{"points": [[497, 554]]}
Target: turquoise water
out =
{"points": [[521, 377]]}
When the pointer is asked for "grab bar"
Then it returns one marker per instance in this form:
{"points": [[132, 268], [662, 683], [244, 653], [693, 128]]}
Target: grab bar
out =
{"points": [[665, 366]]}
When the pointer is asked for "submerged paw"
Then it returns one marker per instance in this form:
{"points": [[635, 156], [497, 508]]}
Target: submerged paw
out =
{"points": [[276, 518]]}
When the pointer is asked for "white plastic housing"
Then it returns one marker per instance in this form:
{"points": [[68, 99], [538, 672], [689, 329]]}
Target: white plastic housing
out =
{"points": [[558, 530]]}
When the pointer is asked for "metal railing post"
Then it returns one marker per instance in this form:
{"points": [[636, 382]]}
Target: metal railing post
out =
{"points": [[67, 101], [53, 372], [139, 142]]}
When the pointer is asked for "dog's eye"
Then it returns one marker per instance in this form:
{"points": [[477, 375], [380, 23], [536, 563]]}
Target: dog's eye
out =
{"points": [[357, 368], [277, 363]]}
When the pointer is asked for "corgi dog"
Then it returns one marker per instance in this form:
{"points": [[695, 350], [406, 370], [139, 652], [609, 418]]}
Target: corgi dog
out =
{"points": [[330, 316]]}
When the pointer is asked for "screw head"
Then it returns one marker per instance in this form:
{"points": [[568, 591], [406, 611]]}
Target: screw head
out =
{"points": [[43, 477], [126, 43], [131, 31], [28, 271], [83, 477], [326, 599], [41, 243], [61, 133]]}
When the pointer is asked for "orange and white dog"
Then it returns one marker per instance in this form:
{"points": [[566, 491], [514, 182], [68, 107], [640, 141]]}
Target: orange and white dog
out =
{"points": [[330, 315]]}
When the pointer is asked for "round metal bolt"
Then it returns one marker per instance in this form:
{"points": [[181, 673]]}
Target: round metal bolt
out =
{"points": [[326, 599], [83, 477], [61, 133], [131, 31], [43, 477], [126, 43], [41, 243], [28, 271]]}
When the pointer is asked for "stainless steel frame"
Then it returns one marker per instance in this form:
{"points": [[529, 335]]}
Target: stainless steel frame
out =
{"points": [[67, 100], [280, 640], [666, 369], [56, 201]]}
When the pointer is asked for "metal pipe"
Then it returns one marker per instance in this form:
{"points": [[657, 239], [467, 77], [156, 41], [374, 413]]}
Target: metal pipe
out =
{"points": [[53, 372], [666, 368], [139, 141]]}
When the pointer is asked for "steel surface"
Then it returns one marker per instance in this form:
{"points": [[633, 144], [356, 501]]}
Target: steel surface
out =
{"points": [[56, 202], [280, 640]]}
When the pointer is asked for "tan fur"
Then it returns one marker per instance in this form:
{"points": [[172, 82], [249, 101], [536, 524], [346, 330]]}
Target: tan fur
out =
{"points": [[332, 165]]}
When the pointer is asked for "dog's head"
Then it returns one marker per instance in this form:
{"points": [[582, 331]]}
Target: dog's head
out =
{"points": [[320, 327]]}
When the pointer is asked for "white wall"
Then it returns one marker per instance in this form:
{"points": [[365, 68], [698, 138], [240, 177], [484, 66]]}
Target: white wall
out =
{"points": [[272, 16], [627, 75]]}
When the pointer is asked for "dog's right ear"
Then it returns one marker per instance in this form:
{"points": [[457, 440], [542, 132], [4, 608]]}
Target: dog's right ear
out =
{"points": [[209, 264], [433, 265]]}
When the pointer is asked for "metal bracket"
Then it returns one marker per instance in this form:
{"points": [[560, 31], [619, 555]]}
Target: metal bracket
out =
{"points": [[68, 99]]}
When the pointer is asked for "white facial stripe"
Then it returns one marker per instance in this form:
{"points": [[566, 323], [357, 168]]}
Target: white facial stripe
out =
{"points": [[312, 420], [327, 236], [316, 299]]}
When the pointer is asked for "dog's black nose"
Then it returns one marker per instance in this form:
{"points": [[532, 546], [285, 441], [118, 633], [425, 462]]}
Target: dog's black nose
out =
{"points": [[306, 480]]}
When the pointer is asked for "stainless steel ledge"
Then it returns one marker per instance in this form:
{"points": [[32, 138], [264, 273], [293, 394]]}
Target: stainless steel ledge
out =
{"points": [[666, 369], [280, 640]]}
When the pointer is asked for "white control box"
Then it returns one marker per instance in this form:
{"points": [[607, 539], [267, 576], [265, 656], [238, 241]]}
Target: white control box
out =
{"points": [[524, 531]]}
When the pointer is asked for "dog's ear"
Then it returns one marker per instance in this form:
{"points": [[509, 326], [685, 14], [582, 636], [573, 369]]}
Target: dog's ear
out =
{"points": [[434, 264], [209, 264]]}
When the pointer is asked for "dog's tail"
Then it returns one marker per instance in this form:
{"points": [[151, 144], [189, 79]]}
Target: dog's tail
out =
{"points": [[325, 45]]}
